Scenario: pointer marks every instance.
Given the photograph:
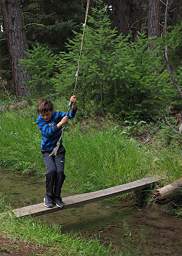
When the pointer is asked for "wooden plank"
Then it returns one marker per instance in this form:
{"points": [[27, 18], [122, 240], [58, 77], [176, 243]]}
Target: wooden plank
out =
{"points": [[80, 199]]}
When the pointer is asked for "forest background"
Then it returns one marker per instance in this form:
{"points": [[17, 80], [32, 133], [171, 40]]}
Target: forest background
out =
{"points": [[131, 63]]}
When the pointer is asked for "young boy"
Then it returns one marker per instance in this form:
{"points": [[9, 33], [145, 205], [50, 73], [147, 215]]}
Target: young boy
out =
{"points": [[50, 124]]}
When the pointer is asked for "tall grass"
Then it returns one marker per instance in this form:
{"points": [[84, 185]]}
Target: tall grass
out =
{"points": [[104, 158], [19, 142], [96, 158]]}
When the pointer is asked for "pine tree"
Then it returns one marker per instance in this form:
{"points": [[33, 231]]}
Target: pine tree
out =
{"points": [[94, 79], [52, 22]]}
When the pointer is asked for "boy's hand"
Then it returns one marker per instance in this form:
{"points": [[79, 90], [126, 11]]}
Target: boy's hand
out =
{"points": [[63, 121], [73, 99]]}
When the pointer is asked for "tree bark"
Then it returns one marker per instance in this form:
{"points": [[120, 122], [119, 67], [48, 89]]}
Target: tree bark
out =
{"points": [[154, 18], [128, 16], [13, 26], [168, 191], [121, 14]]}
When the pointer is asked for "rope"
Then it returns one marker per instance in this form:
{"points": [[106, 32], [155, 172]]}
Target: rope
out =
{"points": [[55, 150], [81, 46]]}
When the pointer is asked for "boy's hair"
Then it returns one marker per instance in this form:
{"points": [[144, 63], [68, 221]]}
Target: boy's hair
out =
{"points": [[44, 106]]}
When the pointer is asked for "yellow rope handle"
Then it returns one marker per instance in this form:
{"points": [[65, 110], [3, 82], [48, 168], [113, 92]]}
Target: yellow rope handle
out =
{"points": [[81, 46]]}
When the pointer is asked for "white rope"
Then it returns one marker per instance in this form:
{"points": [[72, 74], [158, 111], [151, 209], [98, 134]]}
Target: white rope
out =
{"points": [[55, 150], [81, 46]]}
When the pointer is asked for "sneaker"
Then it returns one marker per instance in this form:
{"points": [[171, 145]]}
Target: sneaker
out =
{"points": [[59, 203], [48, 203]]}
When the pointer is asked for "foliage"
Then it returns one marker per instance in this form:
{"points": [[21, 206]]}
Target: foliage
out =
{"points": [[40, 64], [173, 40], [51, 21], [141, 79], [116, 75]]}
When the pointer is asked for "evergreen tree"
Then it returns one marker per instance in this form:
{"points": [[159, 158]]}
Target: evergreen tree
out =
{"points": [[94, 72], [52, 22], [116, 75]]}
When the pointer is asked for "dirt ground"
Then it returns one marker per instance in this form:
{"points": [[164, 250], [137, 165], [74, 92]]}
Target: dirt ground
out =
{"points": [[153, 232], [147, 232], [10, 247]]}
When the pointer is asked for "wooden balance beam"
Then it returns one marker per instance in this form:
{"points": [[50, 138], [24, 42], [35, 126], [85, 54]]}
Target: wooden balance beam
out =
{"points": [[80, 199]]}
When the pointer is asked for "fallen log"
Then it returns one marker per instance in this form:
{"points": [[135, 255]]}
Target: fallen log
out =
{"points": [[169, 191]]}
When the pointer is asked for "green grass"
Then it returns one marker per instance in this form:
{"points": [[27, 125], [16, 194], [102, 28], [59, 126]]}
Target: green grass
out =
{"points": [[19, 142], [29, 230], [99, 159], [96, 158]]}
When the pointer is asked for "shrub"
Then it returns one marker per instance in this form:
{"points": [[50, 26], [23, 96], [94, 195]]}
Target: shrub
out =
{"points": [[40, 64]]}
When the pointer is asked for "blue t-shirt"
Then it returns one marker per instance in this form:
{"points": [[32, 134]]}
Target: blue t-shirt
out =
{"points": [[49, 131]]}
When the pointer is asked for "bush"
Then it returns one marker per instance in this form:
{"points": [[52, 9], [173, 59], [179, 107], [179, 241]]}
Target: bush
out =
{"points": [[40, 64]]}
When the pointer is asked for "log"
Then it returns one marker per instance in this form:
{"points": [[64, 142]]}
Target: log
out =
{"points": [[169, 191]]}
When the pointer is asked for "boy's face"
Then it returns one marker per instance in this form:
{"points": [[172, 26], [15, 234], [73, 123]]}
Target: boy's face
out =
{"points": [[47, 116]]}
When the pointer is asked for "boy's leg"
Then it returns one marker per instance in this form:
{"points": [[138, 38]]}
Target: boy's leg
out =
{"points": [[50, 179], [60, 177]]}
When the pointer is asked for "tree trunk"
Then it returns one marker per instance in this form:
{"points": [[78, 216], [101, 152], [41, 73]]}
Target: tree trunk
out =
{"points": [[121, 15], [13, 26], [154, 18]]}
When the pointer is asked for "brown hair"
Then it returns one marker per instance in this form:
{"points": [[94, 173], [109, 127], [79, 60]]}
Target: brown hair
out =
{"points": [[44, 106]]}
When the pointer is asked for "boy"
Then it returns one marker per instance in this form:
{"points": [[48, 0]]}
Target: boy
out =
{"points": [[50, 124]]}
